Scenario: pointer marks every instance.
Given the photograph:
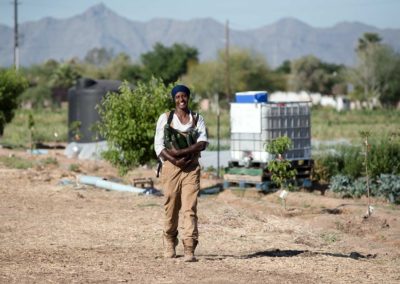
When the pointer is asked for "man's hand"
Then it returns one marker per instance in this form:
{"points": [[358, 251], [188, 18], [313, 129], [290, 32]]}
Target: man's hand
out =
{"points": [[183, 162], [175, 152]]}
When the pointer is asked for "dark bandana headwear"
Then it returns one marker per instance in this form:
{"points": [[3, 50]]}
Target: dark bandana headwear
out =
{"points": [[180, 88]]}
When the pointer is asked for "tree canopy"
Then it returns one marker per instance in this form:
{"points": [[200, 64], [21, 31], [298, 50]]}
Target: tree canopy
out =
{"points": [[168, 63], [128, 122], [247, 71], [310, 74], [376, 75], [12, 84]]}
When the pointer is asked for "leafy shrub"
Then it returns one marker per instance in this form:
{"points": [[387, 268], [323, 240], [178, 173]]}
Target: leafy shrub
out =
{"points": [[128, 122], [279, 145], [389, 187], [326, 166], [359, 187], [353, 161], [344, 160], [341, 184], [12, 84], [383, 158], [282, 173]]}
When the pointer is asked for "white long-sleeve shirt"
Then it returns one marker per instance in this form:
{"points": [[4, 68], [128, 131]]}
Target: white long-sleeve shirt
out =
{"points": [[176, 123]]}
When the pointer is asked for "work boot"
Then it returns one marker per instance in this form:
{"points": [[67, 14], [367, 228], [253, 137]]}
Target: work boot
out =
{"points": [[188, 248], [169, 247]]}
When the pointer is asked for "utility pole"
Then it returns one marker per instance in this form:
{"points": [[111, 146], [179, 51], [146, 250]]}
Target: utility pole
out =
{"points": [[227, 67], [218, 136], [16, 44], [227, 91]]}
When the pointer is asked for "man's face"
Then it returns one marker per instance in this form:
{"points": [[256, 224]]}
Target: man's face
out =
{"points": [[181, 100]]}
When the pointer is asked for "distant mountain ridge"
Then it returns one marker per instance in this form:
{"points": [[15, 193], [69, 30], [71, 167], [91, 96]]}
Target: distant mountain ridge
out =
{"points": [[288, 38]]}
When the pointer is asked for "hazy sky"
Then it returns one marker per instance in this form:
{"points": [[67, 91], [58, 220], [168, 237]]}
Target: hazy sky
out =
{"points": [[242, 14]]}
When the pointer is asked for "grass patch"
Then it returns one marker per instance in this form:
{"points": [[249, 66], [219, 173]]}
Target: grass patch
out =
{"points": [[47, 122], [328, 124], [74, 168], [16, 163], [49, 161], [330, 238]]}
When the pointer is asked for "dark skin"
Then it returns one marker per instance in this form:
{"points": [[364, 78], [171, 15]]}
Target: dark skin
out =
{"points": [[182, 157]]}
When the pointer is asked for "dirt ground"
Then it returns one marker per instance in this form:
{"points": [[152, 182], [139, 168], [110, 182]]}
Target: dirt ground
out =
{"points": [[68, 233]]}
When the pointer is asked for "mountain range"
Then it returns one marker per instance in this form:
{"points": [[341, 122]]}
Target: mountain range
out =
{"points": [[286, 39]]}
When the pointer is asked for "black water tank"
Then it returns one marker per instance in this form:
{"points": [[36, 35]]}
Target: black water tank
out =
{"points": [[82, 101]]}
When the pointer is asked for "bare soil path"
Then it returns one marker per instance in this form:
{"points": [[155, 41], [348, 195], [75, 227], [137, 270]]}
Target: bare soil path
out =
{"points": [[68, 234]]}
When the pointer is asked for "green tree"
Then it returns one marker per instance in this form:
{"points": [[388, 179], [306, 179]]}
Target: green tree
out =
{"points": [[12, 84], [207, 79], [64, 76], [376, 75], [61, 80], [113, 69], [169, 63], [99, 56], [116, 66], [248, 71], [310, 74], [285, 67], [133, 73], [128, 122], [367, 40]]}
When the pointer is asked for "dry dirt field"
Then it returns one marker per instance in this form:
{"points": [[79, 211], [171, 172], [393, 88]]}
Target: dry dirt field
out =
{"points": [[81, 234]]}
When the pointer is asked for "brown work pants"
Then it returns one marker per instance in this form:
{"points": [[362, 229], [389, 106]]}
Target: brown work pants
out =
{"points": [[181, 187]]}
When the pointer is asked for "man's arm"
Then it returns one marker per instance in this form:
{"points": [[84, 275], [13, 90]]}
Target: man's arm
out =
{"points": [[193, 149], [175, 160]]}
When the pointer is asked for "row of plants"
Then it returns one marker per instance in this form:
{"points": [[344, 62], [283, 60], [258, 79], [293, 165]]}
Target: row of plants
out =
{"points": [[385, 185], [351, 170], [383, 157]]}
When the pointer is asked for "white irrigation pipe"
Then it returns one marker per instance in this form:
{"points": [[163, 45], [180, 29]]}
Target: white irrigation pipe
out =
{"points": [[99, 182]]}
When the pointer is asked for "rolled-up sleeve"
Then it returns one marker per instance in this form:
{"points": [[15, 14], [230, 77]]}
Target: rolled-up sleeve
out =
{"points": [[159, 136], [201, 128]]}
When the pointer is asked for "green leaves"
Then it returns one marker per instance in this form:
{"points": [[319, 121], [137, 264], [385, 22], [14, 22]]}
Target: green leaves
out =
{"points": [[12, 84], [64, 76], [128, 122], [281, 170], [169, 63], [376, 74], [311, 74], [247, 71], [279, 145], [384, 185]]}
